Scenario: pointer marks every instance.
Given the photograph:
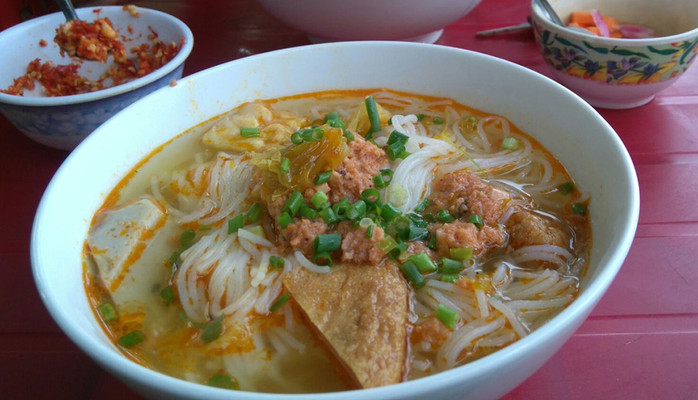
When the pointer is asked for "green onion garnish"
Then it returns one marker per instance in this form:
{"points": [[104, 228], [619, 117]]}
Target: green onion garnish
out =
{"points": [[328, 215], [284, 220], [307, 212], [223, 382], [277, 262], [448, 316], [319, 200], [373, 116], [422, 205], [331, 116], [369, 231], [294, 202], [340, 208], [323, 259], [213, 330], [252, 215], [349, 136], [397, 250], [167, 295], [420, 117], [322, 177], [416, 233], [450, 278], [327, 243], [395, 150], [438, 120], [107, 312], [336, 123], [389, 212], [475, 220], [461, 253], [371, 196], [412, 273], [579, 208], [131, 339], [285, 165], [449, 266], [249, 132], [510, 143], [444, 216], [278, 303], [566, 188], [397, 137], [186, 239], [296, 138], [432, 243], [356, 210], [423, 262]]}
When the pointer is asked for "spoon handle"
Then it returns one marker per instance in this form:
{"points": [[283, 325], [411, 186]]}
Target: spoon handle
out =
{"points": [[550, 11], [68, 10]]}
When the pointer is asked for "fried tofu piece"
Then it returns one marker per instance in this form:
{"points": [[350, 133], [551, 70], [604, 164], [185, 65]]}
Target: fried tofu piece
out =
{"points": [[361, 314]]}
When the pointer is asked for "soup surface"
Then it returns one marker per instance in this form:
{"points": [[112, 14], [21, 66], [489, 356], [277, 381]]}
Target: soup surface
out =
{"points": [[335, 240]]}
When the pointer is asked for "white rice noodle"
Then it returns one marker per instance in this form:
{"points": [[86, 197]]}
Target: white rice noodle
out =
{"points": [[256, 239], [521, 290], [309, 265], [463, 339], [482, 303], [540, 304], [544, 252], [497, 339], [283, 341], [520, 329]]}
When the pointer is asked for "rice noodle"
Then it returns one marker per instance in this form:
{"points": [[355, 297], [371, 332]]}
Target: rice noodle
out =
{"points": [[304, 262], [463, 338]]}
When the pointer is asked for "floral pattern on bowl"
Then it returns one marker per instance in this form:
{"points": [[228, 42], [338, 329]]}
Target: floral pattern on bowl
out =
{"points": [[615, 65]]}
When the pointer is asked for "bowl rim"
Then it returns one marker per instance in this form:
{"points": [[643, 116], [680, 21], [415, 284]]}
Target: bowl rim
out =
{"points": [[538, 16], [45, 101], [124, 368]]}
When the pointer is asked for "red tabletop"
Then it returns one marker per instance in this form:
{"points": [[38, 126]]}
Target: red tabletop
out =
{"points": [[641, 342]]}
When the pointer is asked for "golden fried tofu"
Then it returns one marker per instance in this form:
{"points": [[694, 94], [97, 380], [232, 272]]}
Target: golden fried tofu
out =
{"points": [[361, 314]]}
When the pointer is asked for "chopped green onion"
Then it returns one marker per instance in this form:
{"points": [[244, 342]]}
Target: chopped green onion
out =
{"points": [[307, 212], [249, 132], [417, 220], [387, 244], [167, 295], [365, 222], [336, 123], [107, 312], [450, 278], [331, 116], [312, 134], [371, 196], [438, 120], [423, 262], [213, 330], [420, 117], [278, 303], [444, 216], [327, 243], [432, 243], [277, 262], [449, 266], [236, 223], [395, 150], [356, 210], [389, 212], [294, 202], [341, 207], [223, 381], [386, 175], [416, 233], [323, 259], [369, 231], [510, 143], [257, 230], [328, 215], [285, 165], [412, 273], [578, 208], [373, 116], [284, 220], [397, 137], [322, 177], [379, 182], [429, 218], [131, 339], [296, 138], [403, 154], [186, 239], [253, 213], [422, 205], [349, 136], [461, 253], [475, 220], [398, 250], [448, 316], [319, 200], [566, 188]]}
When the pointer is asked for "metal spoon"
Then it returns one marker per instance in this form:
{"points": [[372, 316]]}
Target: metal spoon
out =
{"points": [[550, 11], [68, 10]]}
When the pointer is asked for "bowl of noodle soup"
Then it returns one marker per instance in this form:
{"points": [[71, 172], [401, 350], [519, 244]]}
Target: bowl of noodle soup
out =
{"points": [[362, 234]]}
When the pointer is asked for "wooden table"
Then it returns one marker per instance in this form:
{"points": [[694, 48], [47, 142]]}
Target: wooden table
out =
{"points": [[641, 342]]}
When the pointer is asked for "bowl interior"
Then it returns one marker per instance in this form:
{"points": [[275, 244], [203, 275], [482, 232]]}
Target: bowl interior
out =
{"points": [[20, 44], [560, 120], [666, 17]]}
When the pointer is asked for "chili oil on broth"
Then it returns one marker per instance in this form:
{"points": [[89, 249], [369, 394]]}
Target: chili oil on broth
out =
{"points": [[276, 352]]}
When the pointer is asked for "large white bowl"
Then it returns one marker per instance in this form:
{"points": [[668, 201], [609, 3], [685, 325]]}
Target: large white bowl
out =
{"points": [[560, 120]]}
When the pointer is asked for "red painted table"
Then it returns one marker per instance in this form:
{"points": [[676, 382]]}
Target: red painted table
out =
{"points": [[641, 342]]}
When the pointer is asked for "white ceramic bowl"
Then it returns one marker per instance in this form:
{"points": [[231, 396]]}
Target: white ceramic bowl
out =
{"points": [[560, 120], [620, 73], [63, 122], [336, 20]]}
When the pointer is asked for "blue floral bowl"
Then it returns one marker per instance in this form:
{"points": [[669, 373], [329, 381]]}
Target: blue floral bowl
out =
{"points": [[619, 73], [63, 122]]}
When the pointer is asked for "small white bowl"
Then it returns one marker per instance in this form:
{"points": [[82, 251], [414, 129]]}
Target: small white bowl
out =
{"points": [[341, 20], [63, 122], [619, 73], [562, 122]]}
